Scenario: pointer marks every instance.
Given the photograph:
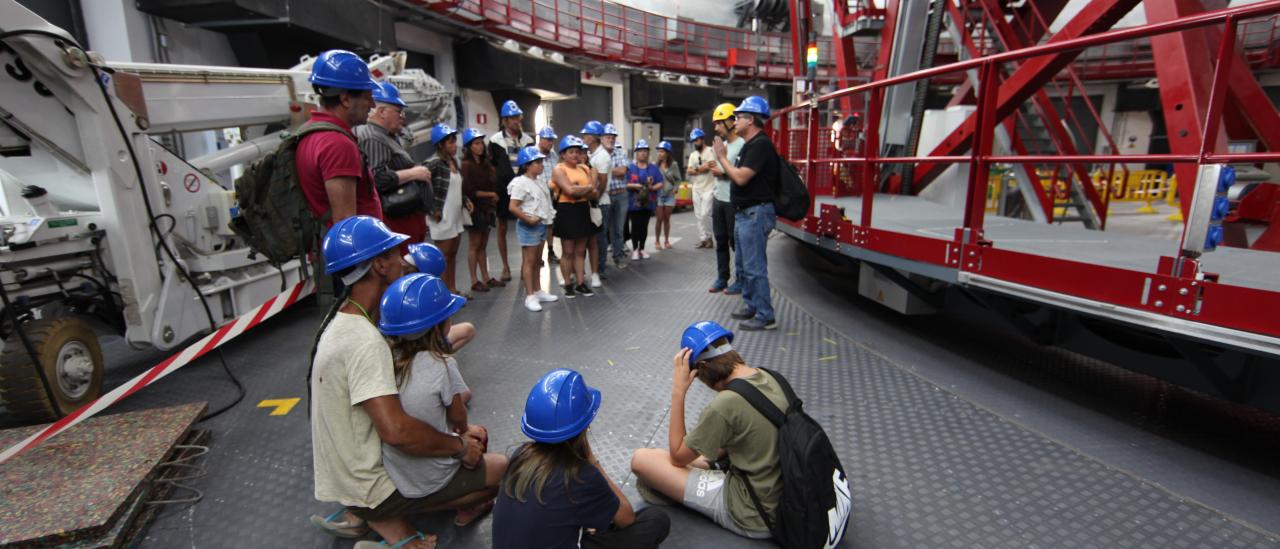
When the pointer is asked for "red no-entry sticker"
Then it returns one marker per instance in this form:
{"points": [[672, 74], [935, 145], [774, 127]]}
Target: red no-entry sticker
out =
{"points": [[191, 182]]}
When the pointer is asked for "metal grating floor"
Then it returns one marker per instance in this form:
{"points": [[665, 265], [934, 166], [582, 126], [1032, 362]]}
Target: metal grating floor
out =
{"points": [[930, 465]]}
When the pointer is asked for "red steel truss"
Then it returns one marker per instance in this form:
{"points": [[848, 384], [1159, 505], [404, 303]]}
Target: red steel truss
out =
{"points": [[1185, 294]]}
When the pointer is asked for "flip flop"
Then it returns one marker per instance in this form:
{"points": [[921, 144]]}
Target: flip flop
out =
{"points": [[340, 528], [481, 510], [367, 544]]}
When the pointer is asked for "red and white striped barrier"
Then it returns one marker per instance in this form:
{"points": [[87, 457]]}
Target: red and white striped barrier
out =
{"points": [[196, 350]]}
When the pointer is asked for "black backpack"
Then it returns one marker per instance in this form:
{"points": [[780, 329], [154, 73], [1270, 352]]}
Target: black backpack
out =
{"points": [[274, 219], [815, 505], [792, 199]]}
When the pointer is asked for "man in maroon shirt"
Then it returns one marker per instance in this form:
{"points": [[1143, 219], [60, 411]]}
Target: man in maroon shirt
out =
{"points": [[333, 174]]}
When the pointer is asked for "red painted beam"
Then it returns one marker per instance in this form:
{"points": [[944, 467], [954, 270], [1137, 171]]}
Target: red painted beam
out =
{"points": [[1096, 17], [1184, 65]]}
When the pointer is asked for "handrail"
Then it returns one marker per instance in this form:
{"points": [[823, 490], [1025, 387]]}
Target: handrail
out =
{"points": [[1118, 35]]}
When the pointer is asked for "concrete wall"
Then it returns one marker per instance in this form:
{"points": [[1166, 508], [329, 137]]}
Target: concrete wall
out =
{"points": [[414, 38]]}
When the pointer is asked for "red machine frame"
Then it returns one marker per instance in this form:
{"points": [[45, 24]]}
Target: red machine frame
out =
{"points": [[1189, 294]]}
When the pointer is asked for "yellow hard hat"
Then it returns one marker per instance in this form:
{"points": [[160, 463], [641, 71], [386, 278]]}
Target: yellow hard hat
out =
{"points": [[723, 112]]}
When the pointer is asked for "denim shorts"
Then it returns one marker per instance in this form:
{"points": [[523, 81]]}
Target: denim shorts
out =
{"points": [[530, 235], [669, 201]]}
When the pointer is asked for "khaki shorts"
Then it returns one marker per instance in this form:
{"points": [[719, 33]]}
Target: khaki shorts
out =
{"points": [[704, 493], [464, 482]]}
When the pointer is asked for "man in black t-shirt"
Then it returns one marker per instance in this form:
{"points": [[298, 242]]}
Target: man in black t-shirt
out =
{"points": [[755, 182]]}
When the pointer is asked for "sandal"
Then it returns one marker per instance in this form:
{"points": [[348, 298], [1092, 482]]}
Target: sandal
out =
{"points": [[479, 287], [495, 283], [506, 276], [340, 528], [478, 510], [367, 544], [668, 245]]}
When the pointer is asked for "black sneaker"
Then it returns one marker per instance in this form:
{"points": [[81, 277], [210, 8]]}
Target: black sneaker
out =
{"points": [[743, 313], [568, 291], [585, 290]]}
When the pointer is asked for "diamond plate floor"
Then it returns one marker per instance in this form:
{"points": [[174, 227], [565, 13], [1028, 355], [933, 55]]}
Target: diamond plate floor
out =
{"points": [[932, 463]]}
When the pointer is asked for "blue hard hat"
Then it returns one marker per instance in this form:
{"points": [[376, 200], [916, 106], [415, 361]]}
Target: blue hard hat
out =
{"points": [[642, 144], [426, 258], [699, 335], [355, 240], [559, 407], [527, 155], [440, 132], [665, 145], [609, 130], [510, 108], [547, 132], [569, 142], [343, 70], [471, 134], [754, 105], [592, 127], [696, 134], [388, 93], [415, 303]]}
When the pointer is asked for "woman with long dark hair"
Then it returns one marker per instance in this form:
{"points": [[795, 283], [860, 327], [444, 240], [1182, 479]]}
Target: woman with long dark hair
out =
{"points": [[479, 184], [555, 493], [448, 216], [671, 178]]}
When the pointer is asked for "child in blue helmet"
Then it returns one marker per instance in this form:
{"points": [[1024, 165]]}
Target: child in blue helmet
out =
{"points": [[414, 317], [534, 212], [728, 427], [556, 495], [427, 259]]}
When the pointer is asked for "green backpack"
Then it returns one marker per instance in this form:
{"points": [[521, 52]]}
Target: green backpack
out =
{"points": [[274, 219]]}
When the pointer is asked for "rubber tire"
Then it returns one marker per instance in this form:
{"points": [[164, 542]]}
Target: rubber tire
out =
{"points": [[21, 388]]}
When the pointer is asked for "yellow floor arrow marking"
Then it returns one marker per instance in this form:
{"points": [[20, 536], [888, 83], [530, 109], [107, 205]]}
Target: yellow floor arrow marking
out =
{"points": [[784, 349], [282, 405], [829, 340], [826, 358], [611, 363], [793, 333], [629, 349]]}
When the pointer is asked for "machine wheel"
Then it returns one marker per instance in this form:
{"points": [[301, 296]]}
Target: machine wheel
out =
{"points": [[72, 362]]}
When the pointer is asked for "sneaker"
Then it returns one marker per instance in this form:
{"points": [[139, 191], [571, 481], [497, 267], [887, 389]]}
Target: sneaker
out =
{"points": [[743, 313], [635, 256], [531, 303], [644, 255], [595, 280], [546, 297], [718, 286], [555, 260], [735, 288], [584, 290], [755, 324], [568, 291], [620, 262]]}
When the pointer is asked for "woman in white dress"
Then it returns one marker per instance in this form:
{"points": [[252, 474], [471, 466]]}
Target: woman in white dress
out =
{"points": [[449, 214]]}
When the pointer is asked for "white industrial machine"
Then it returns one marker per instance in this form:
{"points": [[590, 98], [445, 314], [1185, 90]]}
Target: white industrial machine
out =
{"points": [[103, 229]]}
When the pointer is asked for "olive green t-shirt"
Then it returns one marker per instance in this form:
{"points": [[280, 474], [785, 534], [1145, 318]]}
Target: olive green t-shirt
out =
{"points": [[730, 422]]}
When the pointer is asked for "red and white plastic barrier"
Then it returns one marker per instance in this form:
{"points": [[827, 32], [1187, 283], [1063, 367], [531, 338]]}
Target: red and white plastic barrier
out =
{"points": [[196, 350]]}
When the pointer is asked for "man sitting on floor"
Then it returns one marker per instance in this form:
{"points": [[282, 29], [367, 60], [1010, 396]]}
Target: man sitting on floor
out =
{"points": [[729, 427]]}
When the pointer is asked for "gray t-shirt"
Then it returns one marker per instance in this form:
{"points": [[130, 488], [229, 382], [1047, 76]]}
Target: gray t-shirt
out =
{"points": [[425, 396]]}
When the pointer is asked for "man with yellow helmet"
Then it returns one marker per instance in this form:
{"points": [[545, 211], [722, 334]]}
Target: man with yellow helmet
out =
{"points": [[722, 210]]}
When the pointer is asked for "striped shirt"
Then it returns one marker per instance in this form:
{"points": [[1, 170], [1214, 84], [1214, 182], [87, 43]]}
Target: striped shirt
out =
{"points": [[385, 155]]}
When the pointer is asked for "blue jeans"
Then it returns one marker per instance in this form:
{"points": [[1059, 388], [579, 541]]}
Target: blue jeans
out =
{"points": [[751, 233], [606, 221], [615, 222]]}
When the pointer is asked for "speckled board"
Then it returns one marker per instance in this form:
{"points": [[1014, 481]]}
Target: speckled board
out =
{"points": [[76, 485]]}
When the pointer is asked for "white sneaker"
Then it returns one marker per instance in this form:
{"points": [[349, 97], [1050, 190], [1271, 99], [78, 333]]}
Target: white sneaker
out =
{"points": [[546, 297], [595, 280], [531, 303], [635, 256], [644, 254]]}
